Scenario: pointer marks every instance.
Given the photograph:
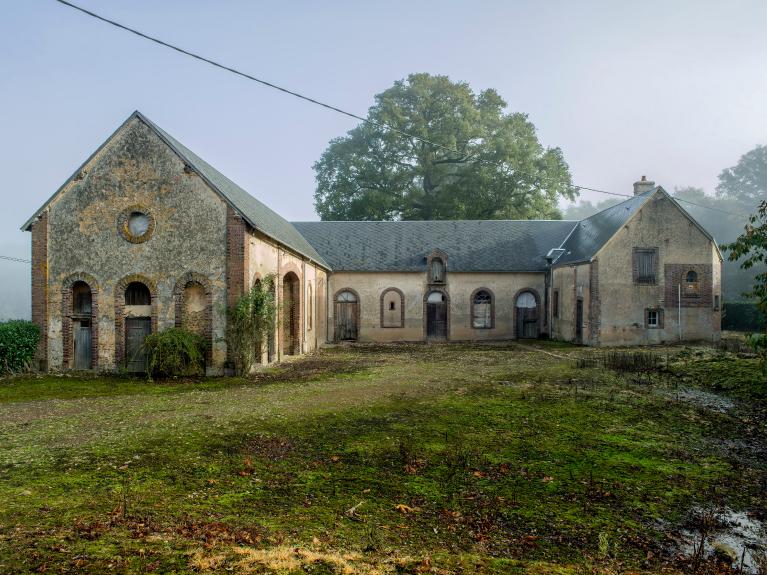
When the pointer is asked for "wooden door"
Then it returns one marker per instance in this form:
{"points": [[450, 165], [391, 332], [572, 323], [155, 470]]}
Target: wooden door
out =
{"points": [[82, 340], [136, 330], [579, 321], [436, 320], [346, 321]]}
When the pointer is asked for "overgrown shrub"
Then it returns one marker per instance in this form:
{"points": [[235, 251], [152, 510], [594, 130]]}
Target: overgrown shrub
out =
{"points": [[175, 352], [18, 342], [249, 323]]}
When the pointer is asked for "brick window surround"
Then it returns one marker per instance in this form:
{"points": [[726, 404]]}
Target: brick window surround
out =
{"points": [[660, 313], [676, 275], [191, 278], [120, 311], [492, 308], [66, 318]]}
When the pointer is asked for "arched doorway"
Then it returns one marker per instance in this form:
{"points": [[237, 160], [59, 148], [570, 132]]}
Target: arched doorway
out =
{"points": [[291, 314], [82, 326], [526, 308], [436, 315], [346, 314], [138, 325]]}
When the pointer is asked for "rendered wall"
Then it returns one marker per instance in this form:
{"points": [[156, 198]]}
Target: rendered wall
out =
{"points": [[661, 224], [459, 287]]}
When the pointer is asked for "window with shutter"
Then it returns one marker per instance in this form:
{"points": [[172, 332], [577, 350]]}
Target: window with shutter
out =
{"points": [[645, 265]]}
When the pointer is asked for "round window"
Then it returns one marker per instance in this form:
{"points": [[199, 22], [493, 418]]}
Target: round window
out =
{"points": [[135, 224], [138, 223]]}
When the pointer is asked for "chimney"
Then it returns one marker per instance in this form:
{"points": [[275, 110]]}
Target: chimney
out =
{"points": [[643, 185]]}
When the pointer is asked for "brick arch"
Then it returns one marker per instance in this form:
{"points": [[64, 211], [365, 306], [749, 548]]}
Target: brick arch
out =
{"points": [[539, 311], [66, 317], [401, 305], [120, 311], [178, 298], [443, 291], [492, 307], [293, 321], [286, 268]]}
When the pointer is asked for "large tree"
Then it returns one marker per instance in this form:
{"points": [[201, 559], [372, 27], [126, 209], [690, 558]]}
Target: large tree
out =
{"points": [[746, 182], [488, 164]]}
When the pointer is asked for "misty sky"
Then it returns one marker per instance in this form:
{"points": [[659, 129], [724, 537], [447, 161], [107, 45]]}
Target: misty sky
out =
{"points": [[673, 89]]}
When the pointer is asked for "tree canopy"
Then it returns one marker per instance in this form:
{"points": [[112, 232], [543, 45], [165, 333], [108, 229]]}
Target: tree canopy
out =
{"points": [[489, 164], [746, 182]]}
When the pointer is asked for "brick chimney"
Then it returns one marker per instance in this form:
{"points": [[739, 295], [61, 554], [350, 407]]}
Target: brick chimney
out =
{"points": [[643, 185]]}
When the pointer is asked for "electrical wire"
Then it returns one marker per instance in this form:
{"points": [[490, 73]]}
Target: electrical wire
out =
{"points": [[12, 259], [326, 105]]}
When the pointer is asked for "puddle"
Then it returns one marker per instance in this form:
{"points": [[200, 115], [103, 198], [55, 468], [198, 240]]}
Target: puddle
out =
{"points": [[733, 531], [703, 399]]}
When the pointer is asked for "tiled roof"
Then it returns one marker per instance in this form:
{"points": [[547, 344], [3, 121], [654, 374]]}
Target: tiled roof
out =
{"points": [[470, 246]]}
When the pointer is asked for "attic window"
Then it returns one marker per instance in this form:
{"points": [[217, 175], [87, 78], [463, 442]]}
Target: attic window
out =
{"points": [[135, 224], [437, 272]]}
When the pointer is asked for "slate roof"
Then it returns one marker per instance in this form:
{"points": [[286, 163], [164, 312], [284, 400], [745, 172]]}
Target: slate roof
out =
{"points": [[591, 234], [255, 213], [470, 246]]}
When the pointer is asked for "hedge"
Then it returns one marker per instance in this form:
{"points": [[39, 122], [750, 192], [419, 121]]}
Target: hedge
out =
{"points": [[18, 343], [743, 316]]}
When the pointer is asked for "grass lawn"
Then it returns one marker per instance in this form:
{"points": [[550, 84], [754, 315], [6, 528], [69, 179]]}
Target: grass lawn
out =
{"points": [[379, 459]]}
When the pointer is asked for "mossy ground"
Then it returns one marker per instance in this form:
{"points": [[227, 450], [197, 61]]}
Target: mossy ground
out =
{"points": [[409, 459]]}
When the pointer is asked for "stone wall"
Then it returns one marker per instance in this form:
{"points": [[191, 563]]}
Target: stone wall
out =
{"points": [[86, 235]]}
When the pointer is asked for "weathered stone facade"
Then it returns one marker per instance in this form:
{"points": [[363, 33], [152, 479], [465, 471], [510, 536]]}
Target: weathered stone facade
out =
{"points": [[147, 236], [618, 302]]}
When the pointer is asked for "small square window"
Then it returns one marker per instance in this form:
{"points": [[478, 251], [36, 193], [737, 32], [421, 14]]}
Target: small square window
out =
{"points": [[652, 318], [392, 306]]}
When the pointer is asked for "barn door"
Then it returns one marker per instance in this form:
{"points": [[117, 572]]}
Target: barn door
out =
{"points": [[82, 333], [436, 316], [136, 330], [527, 316], [346, 320]]}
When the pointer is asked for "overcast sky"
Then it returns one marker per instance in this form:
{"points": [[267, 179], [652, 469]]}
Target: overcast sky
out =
{"points": [[673, 89]]}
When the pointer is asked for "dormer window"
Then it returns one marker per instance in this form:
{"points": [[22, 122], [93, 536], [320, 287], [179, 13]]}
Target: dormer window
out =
{"points": [[437, 271]]}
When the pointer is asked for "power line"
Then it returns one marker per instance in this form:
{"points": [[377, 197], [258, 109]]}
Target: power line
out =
{"points": [[12, 259], [324, 104]]}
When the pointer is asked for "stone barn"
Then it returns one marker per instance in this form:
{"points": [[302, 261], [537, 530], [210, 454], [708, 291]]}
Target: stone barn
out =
{"points": [[146, 235]]}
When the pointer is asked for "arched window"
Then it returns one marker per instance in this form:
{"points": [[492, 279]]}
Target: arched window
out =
{"points": [[392, 308], [81, 299], [437, 272], [482, 310], [691, 284], [347, 297], [137, 294]]}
